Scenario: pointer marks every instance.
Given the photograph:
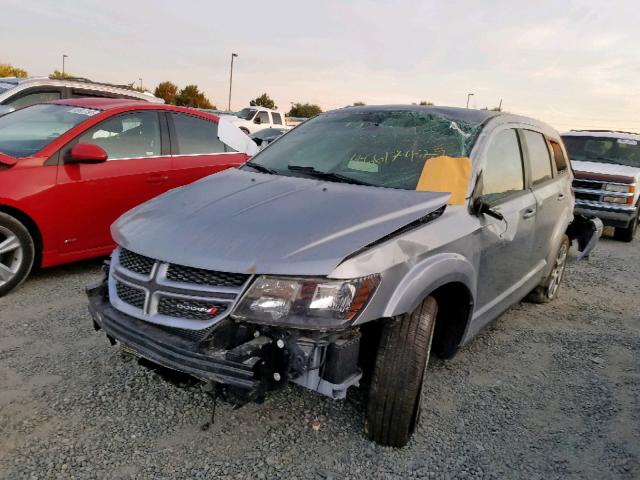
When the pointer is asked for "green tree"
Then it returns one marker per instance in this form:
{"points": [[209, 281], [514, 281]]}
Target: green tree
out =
{"points": [[263, 101], [304, 110], [7, 70], [167, 91], [58, 75], [359, 104], [425, 102], [191, 96]]}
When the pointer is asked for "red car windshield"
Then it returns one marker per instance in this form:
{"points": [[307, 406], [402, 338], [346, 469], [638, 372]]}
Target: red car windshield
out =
{"points": [[27, 131]]}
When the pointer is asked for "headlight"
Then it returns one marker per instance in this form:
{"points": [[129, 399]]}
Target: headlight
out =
{"points": [[614, 187], [316, 303], [614, 199]]}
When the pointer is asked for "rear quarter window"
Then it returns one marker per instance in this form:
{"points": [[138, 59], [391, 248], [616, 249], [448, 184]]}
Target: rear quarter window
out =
{"points": [[558, 157]]}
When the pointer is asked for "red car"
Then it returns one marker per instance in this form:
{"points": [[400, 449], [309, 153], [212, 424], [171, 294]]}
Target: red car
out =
{"points": [[69, 168]]}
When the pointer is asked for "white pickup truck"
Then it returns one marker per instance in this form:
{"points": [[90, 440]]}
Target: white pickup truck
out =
{"points": [[607, 177], [253, 119]]}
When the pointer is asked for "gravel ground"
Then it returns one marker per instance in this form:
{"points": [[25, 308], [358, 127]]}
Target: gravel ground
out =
{"points": [[547, 391]]}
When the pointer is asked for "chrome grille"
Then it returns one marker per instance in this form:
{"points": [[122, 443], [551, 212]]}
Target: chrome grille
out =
{"points": [[135, 262], [130, 295], [199, 276], [191, 309]]}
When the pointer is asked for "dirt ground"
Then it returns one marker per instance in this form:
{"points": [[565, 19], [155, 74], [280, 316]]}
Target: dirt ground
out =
{"points": [[546, 391]]}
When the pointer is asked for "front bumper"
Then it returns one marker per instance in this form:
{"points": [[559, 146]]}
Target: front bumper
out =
{"points": [[612, 216], [171, 351]]}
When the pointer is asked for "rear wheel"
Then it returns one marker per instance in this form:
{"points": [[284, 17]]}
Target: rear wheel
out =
{"points": [[395, 394], [16, 253], [629, 233], [548, 289]]}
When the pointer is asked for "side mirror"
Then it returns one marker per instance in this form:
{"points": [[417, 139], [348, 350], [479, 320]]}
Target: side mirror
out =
{"points": [[480, 206], [4, 109], [86, 153]]}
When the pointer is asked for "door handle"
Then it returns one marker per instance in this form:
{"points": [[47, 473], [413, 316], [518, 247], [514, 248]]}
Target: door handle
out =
{"points": [[529, 213], [157, 179]]}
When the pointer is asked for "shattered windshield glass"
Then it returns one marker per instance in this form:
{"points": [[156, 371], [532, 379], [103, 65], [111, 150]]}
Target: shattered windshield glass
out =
{"points": [[618, 151], [385, 148]]}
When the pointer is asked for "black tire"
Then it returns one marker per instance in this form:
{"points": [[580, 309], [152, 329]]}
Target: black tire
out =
{"points": [[629, 233], [15, 264], [548, 289], [395, 394]]}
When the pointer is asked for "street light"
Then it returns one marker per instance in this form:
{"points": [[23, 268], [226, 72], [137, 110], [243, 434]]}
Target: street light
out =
{"points": [[140, 83], [469, 95], [64, 55], [233, 55]]}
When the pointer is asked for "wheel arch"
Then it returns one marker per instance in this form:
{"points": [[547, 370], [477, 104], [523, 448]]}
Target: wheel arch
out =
{"points": [[31, 226]]}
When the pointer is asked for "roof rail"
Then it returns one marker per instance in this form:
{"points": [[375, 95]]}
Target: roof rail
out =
{"points": [[86, 80]]}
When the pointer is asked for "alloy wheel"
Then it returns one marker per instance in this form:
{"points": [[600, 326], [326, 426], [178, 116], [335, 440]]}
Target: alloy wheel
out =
{"points": [[11, 255], [558, 271]]}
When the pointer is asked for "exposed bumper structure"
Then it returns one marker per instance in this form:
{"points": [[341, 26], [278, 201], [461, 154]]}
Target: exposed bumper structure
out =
{"points": [[619, 216]]}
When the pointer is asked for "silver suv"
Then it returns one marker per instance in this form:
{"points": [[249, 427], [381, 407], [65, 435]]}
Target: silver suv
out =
{"points": [[17, 93], [344, 253]]}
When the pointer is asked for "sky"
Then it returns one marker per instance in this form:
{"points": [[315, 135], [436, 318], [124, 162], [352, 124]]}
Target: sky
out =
{"points": [[574, 64]]}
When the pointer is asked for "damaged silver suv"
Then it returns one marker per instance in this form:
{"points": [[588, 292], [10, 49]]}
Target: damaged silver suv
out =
{"points": [[343, 254]]}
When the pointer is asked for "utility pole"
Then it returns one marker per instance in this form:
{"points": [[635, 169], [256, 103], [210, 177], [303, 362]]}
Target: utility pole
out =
{"points": [[233, 55], [500, 106], [140, 83], [64, 55], [469, 95]]}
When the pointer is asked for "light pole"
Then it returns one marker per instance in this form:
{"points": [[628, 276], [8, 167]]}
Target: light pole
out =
{"points": [[233, 55], [469, 95], [64, 55], [140, 83]]}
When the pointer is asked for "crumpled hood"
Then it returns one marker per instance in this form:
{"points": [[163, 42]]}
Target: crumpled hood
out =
{"points": [[245, 222], [606, 168]]}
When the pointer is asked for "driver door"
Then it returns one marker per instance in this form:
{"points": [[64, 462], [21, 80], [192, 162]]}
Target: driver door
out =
{"points": [[508, 267], [93, 196]]}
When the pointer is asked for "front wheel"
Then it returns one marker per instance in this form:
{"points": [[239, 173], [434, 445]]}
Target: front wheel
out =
{"points": [[16, 253], [548, 289], [395, 394]]}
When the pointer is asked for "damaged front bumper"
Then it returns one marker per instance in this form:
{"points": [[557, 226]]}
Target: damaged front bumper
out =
{"points": [[247, 360]]}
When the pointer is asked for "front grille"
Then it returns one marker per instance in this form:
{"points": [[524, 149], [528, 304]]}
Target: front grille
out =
{"points": [[577, 183], [135, 262], [189, 309], [588, 196], [199, 276], [191, 335], [130, 295]]}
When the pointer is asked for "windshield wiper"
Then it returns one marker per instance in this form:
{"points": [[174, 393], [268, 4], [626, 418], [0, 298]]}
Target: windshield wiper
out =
{"points": [[331, 176], [260, 168]]}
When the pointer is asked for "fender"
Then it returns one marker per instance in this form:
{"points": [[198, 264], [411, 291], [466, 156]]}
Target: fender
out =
{"points": [[425, 277]]}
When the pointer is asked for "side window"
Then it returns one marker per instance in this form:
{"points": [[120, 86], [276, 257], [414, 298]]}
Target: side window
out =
{"points": [[131, 135], [263, 117], [33, 98], [558, 157], [539, 157], [503, 173], [277, 118], [196, 135]]}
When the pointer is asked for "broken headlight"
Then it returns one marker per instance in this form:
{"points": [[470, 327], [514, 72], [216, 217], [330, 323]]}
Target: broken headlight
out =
{"points": [[305, 302]]}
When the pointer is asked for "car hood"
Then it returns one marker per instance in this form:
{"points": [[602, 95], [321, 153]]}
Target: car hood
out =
{"points": [[606, 168], [239, 221]]}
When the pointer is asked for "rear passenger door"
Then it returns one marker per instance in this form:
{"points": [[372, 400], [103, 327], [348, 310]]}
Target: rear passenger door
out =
{"points": [[552, 192], [196, 149]]}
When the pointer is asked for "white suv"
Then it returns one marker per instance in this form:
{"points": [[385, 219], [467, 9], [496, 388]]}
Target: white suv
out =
{"points": [[253, 119]]}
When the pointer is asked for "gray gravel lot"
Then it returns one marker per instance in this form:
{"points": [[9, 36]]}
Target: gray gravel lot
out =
{"points": [[547, 391]]}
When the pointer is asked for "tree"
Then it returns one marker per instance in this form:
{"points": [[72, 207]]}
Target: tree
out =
{"points": [[263, 101], [7, 70], [304, 110], [167, 91], [359, 104], [58, 75], [191, 96], [425, 102]]}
